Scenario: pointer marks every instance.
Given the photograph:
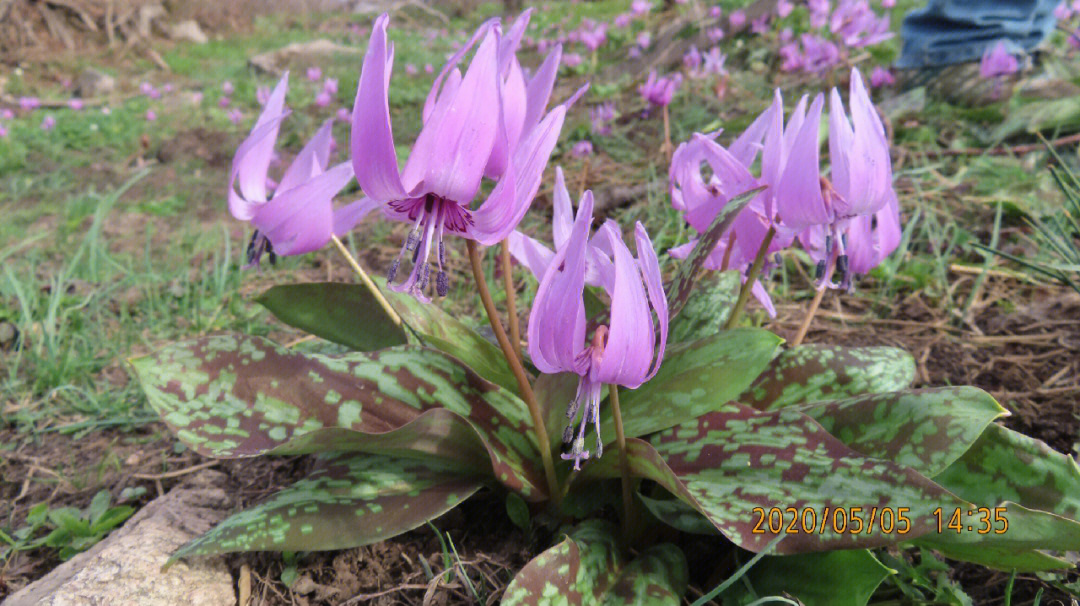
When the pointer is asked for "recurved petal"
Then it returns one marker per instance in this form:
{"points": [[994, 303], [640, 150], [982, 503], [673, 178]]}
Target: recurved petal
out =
{"points": [[247, 161], [654, 287], [626, 357], [302, 219], [347, 217], [451, 63], [538, 89], [502, 211], [255, 161], [312, 159], [745, 147], [454, 147], [530, 253], [798, 195], [372, 142], [562, 209], [513, 95], [557, 320]]}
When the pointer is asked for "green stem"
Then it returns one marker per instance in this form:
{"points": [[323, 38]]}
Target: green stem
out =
{"points": [[624, 464], [389, 309], [519, 371], [755, 271]]}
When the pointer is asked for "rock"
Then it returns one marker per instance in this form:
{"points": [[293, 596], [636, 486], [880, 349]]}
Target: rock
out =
{"points": [[274, 62], [93, 83], [188, 31], [125, 568], [148, 13]]}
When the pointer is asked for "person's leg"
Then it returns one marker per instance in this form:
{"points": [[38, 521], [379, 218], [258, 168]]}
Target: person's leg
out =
{"points": [[956, 31]]}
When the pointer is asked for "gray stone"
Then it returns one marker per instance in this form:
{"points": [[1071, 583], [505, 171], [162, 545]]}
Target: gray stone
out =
{"points": [[94, 83], [188, 31], [274, 62], [125, 568]]}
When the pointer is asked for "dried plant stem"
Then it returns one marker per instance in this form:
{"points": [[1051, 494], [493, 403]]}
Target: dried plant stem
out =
{"points": [[755, 271], [624, 464], [667, 134], [394, 317], [805, 326], [511, 298], [727, 251], [518, 370]]}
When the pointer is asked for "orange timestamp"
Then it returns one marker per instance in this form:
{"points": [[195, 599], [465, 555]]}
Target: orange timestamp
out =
{"points": [[982, 520], [839, 520]]}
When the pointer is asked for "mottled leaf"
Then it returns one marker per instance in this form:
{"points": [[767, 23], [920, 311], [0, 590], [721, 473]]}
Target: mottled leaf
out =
{"points": [[343, 313], [707, 307], [554, 393], [234, 397], [731, 461], [1002, 558], [679, 289], [446, 333], [694, 379], [587, 568], [925, 429], [834, 578], [813, 373], [1004, 465], [348, 501], [677, 514]]}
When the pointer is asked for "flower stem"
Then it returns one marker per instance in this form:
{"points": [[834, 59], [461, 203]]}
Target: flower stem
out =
{"points": [[667, 134], [624, 464], [511, 298], [394, 317], [755, 271], [809, 316], [518, 370], [727, 251]]}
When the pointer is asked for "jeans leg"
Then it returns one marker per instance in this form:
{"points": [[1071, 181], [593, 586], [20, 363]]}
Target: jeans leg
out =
{"points": [[955, 31]]}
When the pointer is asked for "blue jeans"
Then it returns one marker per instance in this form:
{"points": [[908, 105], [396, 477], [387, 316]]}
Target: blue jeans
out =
{"points": [[955, 31]]}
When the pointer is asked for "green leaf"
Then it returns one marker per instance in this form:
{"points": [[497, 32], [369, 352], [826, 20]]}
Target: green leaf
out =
{"points": [[348, 501], [69, 520], [925, 429], [112, 518], [442, 331], [98, 506], [682, 285], [1004, 465], [834, 578], [813, 373], [695, 378], [707, 307], [230, 397], [553, 393], [1002, 558], [343, 313], [731, 461], [587, 568], [518, 511]]}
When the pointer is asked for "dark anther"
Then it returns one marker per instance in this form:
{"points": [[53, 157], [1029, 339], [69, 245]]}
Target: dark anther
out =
{"points": [[425, 273], [442, 283], [442, 254], [568, 434], [412, 241], [819, 272], [828, 244], [842, 267], [390, 275], [873, 222], [599, 447]]}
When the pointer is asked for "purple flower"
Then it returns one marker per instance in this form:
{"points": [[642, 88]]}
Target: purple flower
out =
{"points": [[488, 122], [861, 180], [299, 217], [323, 99], [640, 7], [330, 86], [75, 103], [262, 95], [314, 73], [716, 11], [410, 69], [714, 62], [624, 352], [7, 114], [997, 61], [150, 115], [818, 54], [784, 8], [29, 103], [601, 116], [235, 116], [148, 89], [715, 34], [3, 132], [429, 68], [227, 88], [344, 114], [644, 39], [819, 12], [622, 20], [760, 26], [737, 19], [881, 77], [48, 123], [196, 98], [593, 37], [791, 56], [659, 91], [572, 59], [581, 149], [692, 59], [857, 25], [224, 102], [1062, 12]]}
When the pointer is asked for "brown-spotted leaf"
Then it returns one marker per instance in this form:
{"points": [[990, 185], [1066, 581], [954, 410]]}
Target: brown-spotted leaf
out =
{"points": [[814, 373], [236, 396], [925, 429], [707, 307], [731, 461], [348, 500], [682, 285], [587, 568]]}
